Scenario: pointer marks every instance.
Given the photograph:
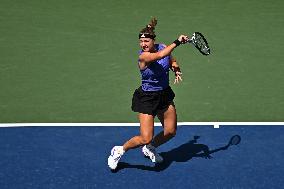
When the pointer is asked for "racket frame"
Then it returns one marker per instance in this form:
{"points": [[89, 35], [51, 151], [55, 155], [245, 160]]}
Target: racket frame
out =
{"points": [[192, 41]]}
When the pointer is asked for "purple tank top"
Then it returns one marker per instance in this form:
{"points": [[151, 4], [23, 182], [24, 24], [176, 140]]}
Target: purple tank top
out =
{"points": [[156, 76]]}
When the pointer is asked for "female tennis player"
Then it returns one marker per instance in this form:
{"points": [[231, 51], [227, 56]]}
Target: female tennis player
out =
{"points": [[154, 97]]}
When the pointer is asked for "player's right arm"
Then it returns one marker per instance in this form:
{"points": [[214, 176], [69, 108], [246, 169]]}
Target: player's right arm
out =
{"points": [[147, 58]]}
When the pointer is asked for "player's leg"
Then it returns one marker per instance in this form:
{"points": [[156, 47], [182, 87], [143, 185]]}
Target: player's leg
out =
{"points": [[146, 132], [169, 122], [145, 137], [168, 119]]}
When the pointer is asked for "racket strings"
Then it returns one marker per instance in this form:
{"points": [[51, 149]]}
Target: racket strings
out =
{"points": [[199, 41], [201, 44]]}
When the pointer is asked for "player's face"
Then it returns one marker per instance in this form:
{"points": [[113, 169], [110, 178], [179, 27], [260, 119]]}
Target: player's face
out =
{"points": [[146, 44]]}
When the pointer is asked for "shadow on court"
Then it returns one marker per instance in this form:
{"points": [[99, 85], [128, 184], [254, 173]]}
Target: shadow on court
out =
{"points": [[182, 153]]}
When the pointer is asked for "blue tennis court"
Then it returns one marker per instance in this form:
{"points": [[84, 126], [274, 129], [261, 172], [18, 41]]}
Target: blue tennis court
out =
{"points": [[76, 157]]}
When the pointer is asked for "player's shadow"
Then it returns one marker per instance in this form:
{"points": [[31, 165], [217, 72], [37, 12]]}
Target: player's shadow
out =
{"points": [[182, 153]]}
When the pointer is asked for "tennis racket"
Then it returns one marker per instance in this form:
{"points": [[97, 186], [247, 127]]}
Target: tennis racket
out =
{"points": [[235, 140], [199, 41]]}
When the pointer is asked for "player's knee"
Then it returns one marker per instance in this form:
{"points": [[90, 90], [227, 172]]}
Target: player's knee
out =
{"points": [[173, 133], [145, 140], [170, 132]]}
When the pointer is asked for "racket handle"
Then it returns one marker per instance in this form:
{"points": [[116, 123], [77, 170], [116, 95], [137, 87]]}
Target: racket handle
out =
{"points": [[189, 41]]}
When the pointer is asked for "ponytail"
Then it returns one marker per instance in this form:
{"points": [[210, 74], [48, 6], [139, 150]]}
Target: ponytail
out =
{"points": [[149, 30]]}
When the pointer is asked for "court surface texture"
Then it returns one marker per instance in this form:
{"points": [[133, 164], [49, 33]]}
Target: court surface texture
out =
{"points": [[68, 61], [76, 157]]}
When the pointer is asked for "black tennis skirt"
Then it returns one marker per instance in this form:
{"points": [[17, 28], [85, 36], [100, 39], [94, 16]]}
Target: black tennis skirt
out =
{"points": [[151, 102]]}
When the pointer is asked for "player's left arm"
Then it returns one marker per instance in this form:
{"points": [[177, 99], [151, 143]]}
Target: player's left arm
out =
{"points": [[176, 69]]}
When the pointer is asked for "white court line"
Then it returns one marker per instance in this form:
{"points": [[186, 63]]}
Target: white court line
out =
{"points": [[215, 124]]}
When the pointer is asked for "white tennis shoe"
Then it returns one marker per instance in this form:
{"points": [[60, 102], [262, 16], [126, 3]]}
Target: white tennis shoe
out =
{"points": [[150, 151], [115, 156]]}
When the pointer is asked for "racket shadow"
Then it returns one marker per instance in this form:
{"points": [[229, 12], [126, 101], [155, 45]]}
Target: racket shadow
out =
{"points": [[182, 153]]}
